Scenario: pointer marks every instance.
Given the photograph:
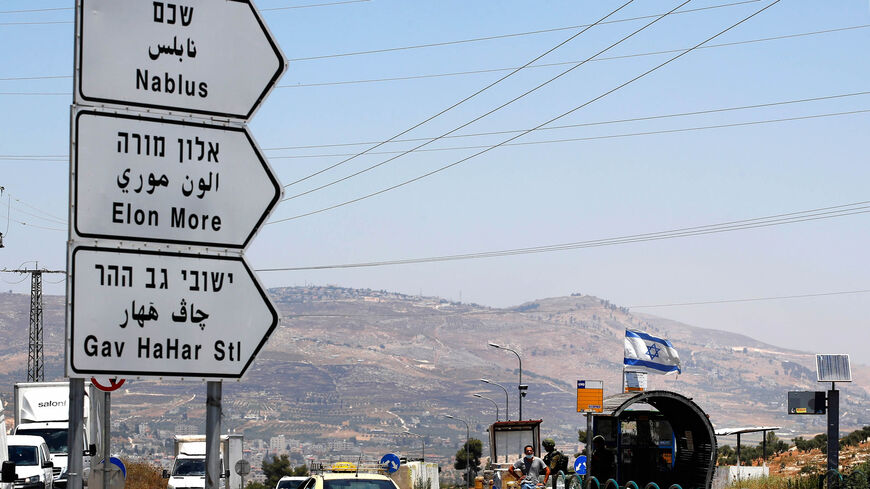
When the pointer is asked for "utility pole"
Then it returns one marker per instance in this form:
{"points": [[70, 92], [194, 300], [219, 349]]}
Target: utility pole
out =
{"points": [[35, 359]]}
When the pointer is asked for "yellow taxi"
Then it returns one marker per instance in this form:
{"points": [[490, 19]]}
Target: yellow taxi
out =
{"points": [[346, 475]]}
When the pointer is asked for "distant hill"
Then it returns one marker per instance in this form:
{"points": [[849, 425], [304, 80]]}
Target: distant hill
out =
{"points": [[344, 362]]}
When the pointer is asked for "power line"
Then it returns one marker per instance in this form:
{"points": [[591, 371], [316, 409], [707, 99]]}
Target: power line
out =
{"points": [[469, 97], [473, 72], [445, 167], [37, 209], [753, 299], [34, 10], [327, 4], [503, 36], [562, 63], [31, 225], [758, 222], [466, 124], [593, 138], [62, 158], [567, 126]]}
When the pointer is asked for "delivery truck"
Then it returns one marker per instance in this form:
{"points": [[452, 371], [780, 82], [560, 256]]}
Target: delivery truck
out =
{"points": [[42, 409], [188, 470]]}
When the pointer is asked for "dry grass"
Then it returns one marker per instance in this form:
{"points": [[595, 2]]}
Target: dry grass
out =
{"points": [[142, 475]]}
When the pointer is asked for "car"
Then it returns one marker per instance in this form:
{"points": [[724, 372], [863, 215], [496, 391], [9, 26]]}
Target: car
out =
{"points": [[32, 459], [346, 476], [290, 482]]}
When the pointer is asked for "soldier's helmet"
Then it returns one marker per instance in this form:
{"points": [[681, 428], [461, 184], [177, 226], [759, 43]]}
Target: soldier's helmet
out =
{"points": [[548, 443]]}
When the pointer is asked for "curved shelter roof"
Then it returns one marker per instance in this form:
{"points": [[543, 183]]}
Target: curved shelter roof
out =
{"points": [[696, 442]]}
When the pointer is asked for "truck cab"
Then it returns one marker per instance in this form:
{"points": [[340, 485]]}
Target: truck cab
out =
{"points": [[188, 470], [32, 460]]}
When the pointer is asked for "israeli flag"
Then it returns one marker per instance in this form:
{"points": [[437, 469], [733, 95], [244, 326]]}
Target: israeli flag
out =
{"points": [[655, 354]]}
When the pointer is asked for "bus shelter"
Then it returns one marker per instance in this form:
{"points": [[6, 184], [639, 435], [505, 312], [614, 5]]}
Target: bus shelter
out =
{"points": [[653, 436]]}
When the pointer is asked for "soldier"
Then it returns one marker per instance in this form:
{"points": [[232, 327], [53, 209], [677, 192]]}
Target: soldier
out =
{"points": [[555, 460]]}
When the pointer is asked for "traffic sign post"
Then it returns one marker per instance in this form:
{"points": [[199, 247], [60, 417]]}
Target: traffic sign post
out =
{"points": [[165, 314], [580, 465], [171, 181], [196, 56], [391, 461]]}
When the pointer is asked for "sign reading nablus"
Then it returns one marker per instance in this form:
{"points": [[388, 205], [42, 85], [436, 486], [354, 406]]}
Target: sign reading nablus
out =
{"points": [[147, 179], [200, 56]]}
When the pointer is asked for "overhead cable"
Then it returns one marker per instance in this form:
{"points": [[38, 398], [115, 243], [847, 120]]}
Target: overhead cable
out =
{"points": [[758, 222], [753, 299], [63, 158], [443, 111], [546, 123], [562, 63], [584, 124], [326, 4], [466, 124], [593, 138], [517, 34]]}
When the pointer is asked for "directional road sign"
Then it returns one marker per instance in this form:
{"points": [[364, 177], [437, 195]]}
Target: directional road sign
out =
{"points": [[198, 56], [580, 465], [392, 461], [171, 181], [154, 314]]}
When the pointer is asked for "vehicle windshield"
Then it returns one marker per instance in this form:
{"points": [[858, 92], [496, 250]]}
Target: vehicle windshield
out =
{"points": [[358, 484], [23, 455], [55, 438], [189, 467], [289, 484]]}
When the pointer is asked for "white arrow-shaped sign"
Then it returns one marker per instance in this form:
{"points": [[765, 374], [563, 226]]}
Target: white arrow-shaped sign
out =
{"points": [[201, 56], [146, 179], [154, 314]]}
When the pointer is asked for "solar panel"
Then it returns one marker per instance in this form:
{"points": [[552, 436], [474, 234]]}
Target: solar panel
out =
{"points": [[833, 368]]}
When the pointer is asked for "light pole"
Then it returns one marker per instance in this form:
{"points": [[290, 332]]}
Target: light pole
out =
{"points": [[422, 442], [467, 449], [507, 408], [490, 400], [522, 388]]}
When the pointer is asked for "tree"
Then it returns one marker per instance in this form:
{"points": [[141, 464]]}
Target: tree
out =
{"points": [[279, 467], [581, 436], [469, 455]]}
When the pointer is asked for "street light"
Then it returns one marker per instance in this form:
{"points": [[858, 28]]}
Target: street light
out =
{"points": [[467, 449], [422, 442], [507, 408], [522, 388], [490, 400]]}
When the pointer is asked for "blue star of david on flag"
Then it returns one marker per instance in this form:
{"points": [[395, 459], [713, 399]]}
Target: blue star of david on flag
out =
{"points": [[652, 353]]}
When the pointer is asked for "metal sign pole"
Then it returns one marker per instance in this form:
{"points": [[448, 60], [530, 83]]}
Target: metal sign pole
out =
{"points": [[212, 434], [107, 438], [76, 418], [833, 429]]}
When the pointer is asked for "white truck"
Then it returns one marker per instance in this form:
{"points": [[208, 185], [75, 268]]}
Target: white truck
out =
{"points": [[33, 467], [42, 409], [7, 475], [188, 470]]}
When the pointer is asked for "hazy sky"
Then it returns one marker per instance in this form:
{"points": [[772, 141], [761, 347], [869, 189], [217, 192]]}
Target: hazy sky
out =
{"points": [[597, 182]]}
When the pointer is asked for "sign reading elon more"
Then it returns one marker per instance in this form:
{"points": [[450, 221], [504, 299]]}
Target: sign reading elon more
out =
{"points": [[147, 179], [199, 56], [169, 314]]}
